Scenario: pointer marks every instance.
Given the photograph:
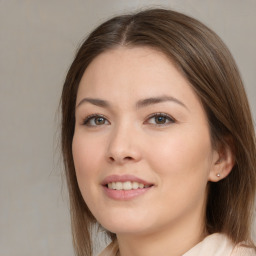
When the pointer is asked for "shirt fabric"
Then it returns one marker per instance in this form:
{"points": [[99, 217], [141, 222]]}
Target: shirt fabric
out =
{"points": [[213, 245]]}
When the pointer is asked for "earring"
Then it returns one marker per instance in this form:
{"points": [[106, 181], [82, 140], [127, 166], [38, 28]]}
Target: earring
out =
{"points": [[218, 175]]}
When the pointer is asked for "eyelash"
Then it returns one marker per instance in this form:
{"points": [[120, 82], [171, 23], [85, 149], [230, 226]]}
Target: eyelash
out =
{"points": [[166, 117], [91, 117], [154, 115]]}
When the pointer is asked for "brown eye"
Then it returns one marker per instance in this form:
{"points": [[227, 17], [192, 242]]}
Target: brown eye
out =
{"points": [[160, 119], [95, 120], [99, 120]]}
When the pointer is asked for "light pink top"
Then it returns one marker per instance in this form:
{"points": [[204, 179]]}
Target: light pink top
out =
{"points": [[219, 245], [213, 245]]}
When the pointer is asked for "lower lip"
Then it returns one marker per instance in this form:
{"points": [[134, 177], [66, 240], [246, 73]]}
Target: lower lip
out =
{"points": [[125, 194]]}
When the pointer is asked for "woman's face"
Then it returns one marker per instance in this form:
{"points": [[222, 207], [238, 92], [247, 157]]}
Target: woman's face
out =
{"points": [[142, 149]]}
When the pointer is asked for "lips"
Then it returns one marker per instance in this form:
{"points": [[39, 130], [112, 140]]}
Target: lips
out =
{"points": [[125, 181], [125, 187]]}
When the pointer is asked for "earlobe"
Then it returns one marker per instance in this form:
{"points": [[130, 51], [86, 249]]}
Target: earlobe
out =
{"points": [[223, 165]]}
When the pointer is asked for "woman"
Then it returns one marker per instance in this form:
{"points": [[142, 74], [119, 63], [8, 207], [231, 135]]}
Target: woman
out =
{"points": [[158, 140]]}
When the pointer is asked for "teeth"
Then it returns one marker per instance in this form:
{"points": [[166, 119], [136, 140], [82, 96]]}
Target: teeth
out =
{"points": [[141, 185], [135, 185], [119, 185], [127, 185]]}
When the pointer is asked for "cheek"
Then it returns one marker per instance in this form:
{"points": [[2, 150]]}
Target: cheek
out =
{"points": [[86, 157], [183, 156], [182, 165]]}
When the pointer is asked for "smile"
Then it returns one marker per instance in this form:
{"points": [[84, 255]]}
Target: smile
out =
{"points": [[127, 185]]}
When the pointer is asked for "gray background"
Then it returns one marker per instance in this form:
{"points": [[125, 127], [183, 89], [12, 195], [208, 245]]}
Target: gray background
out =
{"points": [[38, 40]]}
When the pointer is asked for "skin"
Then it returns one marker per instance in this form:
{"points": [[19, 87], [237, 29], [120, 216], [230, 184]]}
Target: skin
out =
{"points": [[176, 156]]}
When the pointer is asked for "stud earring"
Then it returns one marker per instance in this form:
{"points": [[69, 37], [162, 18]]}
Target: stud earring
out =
{"points": [[218, 175]]}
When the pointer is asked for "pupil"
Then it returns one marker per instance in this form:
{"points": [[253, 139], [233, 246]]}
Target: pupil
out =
{"points": [[100, 120], [160, 120]]}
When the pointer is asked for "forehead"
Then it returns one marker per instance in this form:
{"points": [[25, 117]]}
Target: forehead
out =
{"points": [[123, 61], [142, 70]]}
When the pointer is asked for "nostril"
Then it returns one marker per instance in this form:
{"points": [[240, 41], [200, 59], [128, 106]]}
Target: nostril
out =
{"points": [[120, 159], [128, 158], [111, 159]]}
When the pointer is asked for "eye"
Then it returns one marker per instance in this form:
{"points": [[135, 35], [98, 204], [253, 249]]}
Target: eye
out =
{"points": [[160, 119], [95, 120]]}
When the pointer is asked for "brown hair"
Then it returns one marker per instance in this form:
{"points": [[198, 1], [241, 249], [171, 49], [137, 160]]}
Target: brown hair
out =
{"points": [[208, 65]]}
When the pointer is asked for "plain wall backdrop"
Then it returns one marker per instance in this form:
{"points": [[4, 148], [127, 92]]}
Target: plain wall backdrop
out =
{"points": [[38, 40]]}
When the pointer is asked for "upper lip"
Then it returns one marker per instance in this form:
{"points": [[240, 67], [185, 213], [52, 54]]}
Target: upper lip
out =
{"points": [[123, 178]]}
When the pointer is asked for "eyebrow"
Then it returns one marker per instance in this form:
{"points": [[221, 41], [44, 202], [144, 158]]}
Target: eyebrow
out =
{"points": [[96, 102], [155, 100], [140, 104]]}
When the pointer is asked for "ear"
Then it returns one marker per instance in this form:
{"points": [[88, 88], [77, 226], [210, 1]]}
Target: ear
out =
{"points": [[223, 162]]}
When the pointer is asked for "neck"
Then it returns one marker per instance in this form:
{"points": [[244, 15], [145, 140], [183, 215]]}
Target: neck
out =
{"points": [[172, 240]]}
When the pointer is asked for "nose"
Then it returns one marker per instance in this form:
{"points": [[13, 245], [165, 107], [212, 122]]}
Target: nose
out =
{"points": [[123, 146]]}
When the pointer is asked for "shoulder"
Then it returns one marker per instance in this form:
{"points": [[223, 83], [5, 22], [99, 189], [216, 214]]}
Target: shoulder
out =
{"points": [[242, 250], [219, 245]]}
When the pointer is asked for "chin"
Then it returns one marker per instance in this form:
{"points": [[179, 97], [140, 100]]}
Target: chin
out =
{"points": [[127, 229], [122, 223]]}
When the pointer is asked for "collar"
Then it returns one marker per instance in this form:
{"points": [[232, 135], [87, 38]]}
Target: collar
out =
{"points": [[213, 245]]}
